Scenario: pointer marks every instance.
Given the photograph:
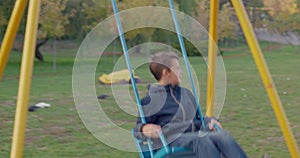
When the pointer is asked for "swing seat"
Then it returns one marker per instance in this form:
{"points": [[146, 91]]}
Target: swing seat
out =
{"points": [[175, 152]]}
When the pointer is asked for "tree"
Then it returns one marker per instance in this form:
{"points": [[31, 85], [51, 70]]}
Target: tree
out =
{"points": [[6, 7], [284, 16], [85, 15], [227, 27], [189, 7], [144, 34], [95, 11], [52, 18], [3, 20], [202, 12], [52, 22]]}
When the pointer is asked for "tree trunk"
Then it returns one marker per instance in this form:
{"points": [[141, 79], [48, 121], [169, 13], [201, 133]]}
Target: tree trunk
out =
{"points": [[54, 53], [38, 53]]}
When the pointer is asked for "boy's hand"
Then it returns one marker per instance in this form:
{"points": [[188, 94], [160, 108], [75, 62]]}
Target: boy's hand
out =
{"points": [[212, 122], [151, 130]]}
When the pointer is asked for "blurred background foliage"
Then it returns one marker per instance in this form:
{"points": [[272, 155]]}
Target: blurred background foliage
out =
{"points": [[73, 19]]}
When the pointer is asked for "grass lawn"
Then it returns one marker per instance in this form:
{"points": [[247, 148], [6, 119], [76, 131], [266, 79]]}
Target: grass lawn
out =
{"points": [[59, 132]]}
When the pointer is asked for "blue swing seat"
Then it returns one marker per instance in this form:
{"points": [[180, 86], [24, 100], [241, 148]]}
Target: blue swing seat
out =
{"points": [[175, 152]]}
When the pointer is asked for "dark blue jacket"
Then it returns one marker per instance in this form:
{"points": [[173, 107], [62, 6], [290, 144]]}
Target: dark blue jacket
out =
{"points": [[173, 108]]}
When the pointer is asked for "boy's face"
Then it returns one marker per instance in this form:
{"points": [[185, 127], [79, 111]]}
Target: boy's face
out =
{"points": [[175, 73]]}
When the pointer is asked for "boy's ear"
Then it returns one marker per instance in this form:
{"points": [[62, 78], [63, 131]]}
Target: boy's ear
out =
{"points": [[165, 72]]}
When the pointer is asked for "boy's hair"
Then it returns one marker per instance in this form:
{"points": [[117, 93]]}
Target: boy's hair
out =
{"points": [[161, 61]]}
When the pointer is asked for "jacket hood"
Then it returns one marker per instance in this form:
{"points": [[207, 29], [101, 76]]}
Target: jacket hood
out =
{"points": [[158, 88]]}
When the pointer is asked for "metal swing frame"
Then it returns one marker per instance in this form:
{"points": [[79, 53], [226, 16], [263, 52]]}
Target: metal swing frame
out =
{"points": [[27, 67]]}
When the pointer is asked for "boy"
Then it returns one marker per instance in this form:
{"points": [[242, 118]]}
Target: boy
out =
{"points": [[172, 110]]}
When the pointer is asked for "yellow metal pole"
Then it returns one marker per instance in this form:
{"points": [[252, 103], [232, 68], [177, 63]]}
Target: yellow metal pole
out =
{"points": [[212, 53], [266, 78], [25, 79], [10, 33]]}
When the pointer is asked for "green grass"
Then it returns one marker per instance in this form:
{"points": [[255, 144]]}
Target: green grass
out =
{"points": [[58, 131]]}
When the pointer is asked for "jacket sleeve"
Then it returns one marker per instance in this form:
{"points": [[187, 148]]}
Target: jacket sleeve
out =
{"points": [[196, 121], [138, 129], [149, 119]]}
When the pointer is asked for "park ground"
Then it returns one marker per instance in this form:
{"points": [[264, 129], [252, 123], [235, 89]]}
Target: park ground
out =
{"points": [[59, 132]]}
